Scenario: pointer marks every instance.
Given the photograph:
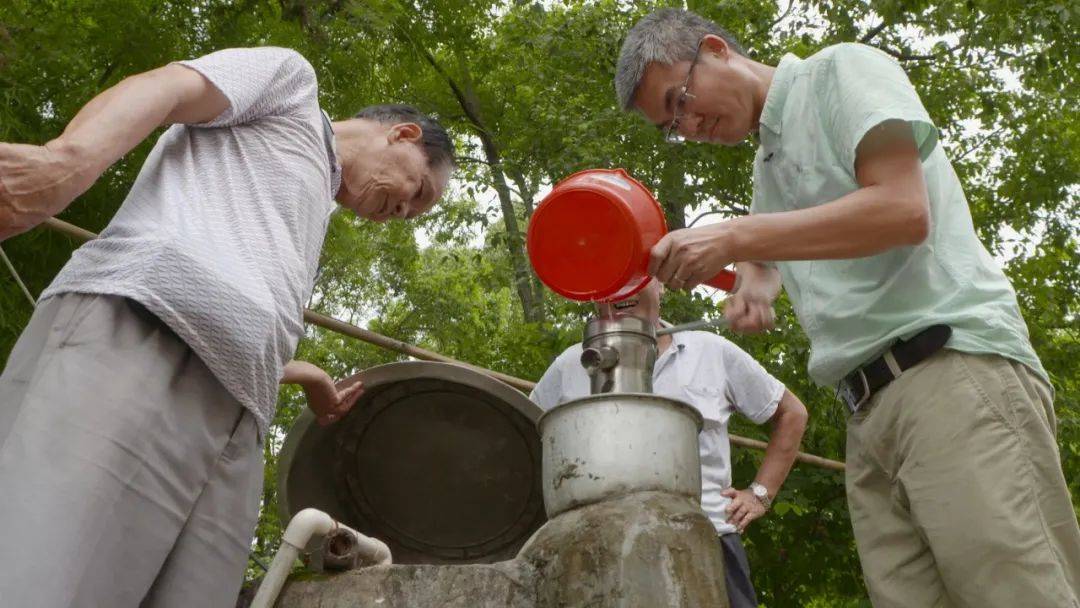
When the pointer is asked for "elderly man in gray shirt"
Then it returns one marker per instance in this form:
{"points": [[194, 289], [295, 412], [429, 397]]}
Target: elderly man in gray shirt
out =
{"points": [[133, 406]]}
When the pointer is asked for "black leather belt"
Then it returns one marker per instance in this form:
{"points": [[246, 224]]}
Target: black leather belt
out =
{"points": [[856, 388]]}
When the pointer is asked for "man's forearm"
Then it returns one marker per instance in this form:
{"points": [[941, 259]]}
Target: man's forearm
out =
{"points": [[788, 425], [865, 222], [115, 121], [890, 209], [299, 372]]}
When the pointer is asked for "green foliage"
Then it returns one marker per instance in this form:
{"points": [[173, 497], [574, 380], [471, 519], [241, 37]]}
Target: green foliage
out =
{"points": [[527, 89]]}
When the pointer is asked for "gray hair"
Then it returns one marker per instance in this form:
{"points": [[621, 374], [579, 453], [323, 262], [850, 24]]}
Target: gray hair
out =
{"points": [[436, 142], [666, 36]]}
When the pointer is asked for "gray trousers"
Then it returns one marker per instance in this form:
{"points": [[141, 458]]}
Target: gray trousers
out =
{"points": [[740, 589], [128, 475]]}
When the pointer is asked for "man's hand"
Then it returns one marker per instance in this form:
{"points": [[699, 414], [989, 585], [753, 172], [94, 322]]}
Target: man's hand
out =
{"points": [[686, 258], [749, 309], [326, 399], [37, 182], [743, 508]]}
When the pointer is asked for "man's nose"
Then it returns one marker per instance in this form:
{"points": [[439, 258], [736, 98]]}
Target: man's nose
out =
{"points": [[690, 125], [401, 210]]}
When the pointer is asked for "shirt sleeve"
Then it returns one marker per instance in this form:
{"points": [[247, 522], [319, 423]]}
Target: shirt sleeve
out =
{"points": [[547, 390], [863, 88], [752, 390], [259, 82]]}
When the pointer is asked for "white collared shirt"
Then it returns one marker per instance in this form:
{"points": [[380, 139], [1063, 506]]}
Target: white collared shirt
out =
{"points": [[704, 370]]}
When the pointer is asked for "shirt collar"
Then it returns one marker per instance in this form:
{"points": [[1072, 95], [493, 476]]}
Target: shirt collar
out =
{"points": [[331, 151], [773, 110]]}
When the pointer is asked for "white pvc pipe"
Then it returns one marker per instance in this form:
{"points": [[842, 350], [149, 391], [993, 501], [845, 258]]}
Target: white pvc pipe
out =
{"points": [[372, 550], [302, 527]]}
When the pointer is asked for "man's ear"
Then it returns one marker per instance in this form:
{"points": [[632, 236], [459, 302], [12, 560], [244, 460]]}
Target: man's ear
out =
{"points": [[716, 45], [405, 131]]}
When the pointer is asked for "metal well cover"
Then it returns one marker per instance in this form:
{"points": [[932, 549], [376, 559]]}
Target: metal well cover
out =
{"points": [[437, 460]]}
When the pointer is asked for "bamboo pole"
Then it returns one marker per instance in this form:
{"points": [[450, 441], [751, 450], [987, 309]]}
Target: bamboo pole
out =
{"points": [[18, 279], [405, 348], [71, 230], [347, 329]]}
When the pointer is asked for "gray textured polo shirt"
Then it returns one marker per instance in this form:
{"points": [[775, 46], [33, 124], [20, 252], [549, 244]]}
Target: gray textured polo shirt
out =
{"points": [[220, 234]]}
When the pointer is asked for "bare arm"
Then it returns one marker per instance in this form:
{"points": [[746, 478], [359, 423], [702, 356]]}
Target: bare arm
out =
{"points": [[788, 425], [890, 209], [40, 181], [119, 118], [326, 399]]}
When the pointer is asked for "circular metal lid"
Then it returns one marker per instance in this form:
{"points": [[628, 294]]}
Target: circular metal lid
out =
{"points": [[439, 461]]}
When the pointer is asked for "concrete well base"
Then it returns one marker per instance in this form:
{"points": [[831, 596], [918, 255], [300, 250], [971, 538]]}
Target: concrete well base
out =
{"points": [[508, 584], [642, 550]]}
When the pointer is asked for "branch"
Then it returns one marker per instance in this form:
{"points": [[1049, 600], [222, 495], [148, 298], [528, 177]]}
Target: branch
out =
{"points": [[908, 57], [868, 36], [978, 144], [787, 11], [463, 100], [469, 159]]}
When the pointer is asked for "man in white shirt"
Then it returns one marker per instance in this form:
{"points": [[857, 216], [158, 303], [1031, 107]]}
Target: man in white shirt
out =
{"points": [[133, 406], [719, 379]]}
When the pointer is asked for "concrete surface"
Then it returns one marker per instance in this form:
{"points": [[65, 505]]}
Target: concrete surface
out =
{"points": [[505, 585], [642, 550]]}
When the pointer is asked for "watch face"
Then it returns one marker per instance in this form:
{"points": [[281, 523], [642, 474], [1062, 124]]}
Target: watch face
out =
{"points": [[760, 491]]}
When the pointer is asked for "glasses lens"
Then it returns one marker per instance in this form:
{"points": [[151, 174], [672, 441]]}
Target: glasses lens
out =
{"points": [[674, 137]]}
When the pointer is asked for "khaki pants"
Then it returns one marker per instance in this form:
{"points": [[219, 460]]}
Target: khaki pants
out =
{"points": [[956, 490], [128, 475]]}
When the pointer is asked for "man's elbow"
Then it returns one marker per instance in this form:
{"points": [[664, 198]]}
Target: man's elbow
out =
{"points": [[793, 413], [918, 223], [802, 417]]}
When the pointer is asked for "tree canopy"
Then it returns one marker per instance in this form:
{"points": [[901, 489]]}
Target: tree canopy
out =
{"points": [[526, 88]]}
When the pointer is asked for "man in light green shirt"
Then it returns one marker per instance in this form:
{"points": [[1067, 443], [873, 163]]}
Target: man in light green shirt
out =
{"points": [[955, 485]]}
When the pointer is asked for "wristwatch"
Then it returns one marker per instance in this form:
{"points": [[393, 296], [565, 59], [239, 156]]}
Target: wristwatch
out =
{"points": [[762, 494]]}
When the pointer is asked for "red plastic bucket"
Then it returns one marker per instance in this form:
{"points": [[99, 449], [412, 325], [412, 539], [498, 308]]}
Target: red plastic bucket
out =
{"points": [[589, 239]]}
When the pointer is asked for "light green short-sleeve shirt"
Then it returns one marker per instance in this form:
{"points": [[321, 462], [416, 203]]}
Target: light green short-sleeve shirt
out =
{"points": [[816, 112]]}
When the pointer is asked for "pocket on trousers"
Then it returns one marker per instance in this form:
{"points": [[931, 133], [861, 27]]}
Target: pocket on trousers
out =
{"points": [[996, 383], [77, 308]]}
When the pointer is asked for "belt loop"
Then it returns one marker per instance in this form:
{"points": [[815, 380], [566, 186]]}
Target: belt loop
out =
{"points": [[890, 362]]}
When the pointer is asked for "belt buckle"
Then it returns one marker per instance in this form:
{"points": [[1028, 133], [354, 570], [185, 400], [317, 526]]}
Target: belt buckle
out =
{"points": [[845, 392]]}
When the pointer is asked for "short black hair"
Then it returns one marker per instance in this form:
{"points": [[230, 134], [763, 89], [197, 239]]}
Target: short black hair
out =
{"points": [[437, 144]]}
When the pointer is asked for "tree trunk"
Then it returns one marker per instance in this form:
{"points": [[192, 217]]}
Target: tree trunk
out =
{"points": [[527, 291], [672, 193]]}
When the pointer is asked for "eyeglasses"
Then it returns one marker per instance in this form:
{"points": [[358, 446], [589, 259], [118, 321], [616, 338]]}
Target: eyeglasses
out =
{"points": [[671, 133]]}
